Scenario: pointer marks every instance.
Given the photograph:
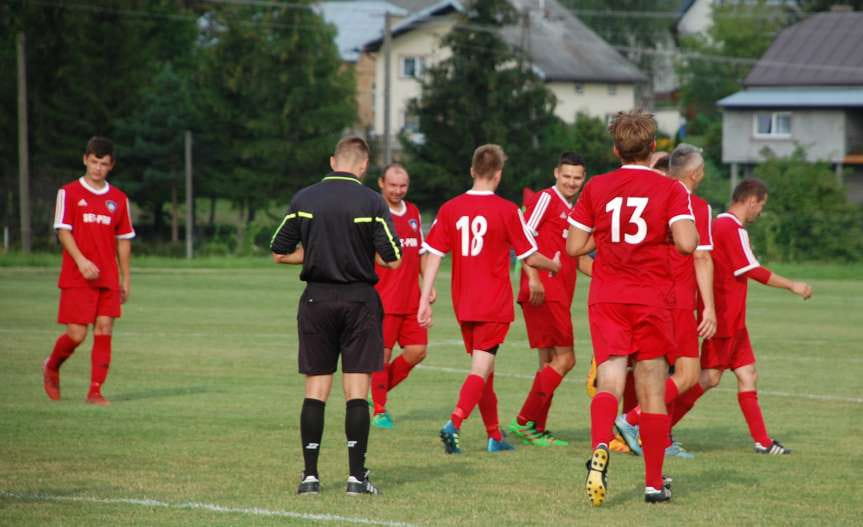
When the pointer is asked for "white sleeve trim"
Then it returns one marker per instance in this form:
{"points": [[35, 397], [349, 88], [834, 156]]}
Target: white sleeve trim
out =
{"points": [[704, 247], [432, 250], [526, 253], [746, 268], [679, 217], [60, 210], [579, 225], [538, 213], [127, 236], [710, 224], [747, 249], [64, 226]]}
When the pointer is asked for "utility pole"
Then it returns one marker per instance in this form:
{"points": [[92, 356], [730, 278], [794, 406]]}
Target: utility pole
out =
{"points": [[190, 199], [388, 20], [23, 147]]}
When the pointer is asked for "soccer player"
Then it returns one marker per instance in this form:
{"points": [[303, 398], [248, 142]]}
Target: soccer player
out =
{"points": [[400, 294], [479, 228], [693, 277], [630, 213], [546, 300], [342, 226], [94, 225], [734, 264]]}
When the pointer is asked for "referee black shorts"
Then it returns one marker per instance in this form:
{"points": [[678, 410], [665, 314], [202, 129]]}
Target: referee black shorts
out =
{"points": [[340, 319]]}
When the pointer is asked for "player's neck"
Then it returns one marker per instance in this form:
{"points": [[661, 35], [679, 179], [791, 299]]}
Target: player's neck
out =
{"points": [[96, 184], [483, 185], [738, 213], [398, 207]]}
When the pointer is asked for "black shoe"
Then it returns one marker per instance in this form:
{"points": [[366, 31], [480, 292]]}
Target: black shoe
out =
{"points": [[309, 485], [596, 483], [776, 449], [652, 495], [357, 487]]}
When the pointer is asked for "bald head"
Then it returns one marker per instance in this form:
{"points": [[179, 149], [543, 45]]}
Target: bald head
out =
{"points": [[351, 155]]}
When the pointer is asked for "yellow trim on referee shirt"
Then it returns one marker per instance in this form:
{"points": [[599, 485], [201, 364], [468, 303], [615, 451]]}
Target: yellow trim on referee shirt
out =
{"points": [[331, 178], [362, 220], [308, 215], [390, 236], [288, 217]]}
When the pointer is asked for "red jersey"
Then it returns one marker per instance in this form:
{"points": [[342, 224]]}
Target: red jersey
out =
{"points": [[629, 211], [547, 213], [479, 228], [97, 219], [683, 265], [732, 257], [399, 288]]}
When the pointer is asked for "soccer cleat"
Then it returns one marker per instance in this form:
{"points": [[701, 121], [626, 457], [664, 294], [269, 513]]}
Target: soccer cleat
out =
{"points": [[596, 483], [619, 445], [652, 495], [498, 446], [51, 381], [384, 421], [450, 438], [550, 440], [591, 380], [356, 487], [527, 433], [775, 449], [676, 450], [96, 398], [629, 433], [309, 485]]}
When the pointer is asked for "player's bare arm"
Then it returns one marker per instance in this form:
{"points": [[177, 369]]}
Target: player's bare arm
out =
{"points": [[540, 261], [423, 260], [801, 289], [578, 242], [685, 236], [390, 265], [585, 264], [704, 277], [88, 269], [534, 284], [124, 259], [294, 258], [424, 314]]}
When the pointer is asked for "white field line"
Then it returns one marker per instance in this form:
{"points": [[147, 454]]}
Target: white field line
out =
{"points": [[856, 400], [209, 507]]}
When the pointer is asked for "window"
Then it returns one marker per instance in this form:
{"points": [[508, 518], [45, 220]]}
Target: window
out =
{"points": [[412, 67], [612, 89], [772, 124], [579, 88]]}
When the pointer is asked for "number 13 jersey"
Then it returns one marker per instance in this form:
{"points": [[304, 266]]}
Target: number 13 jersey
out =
{"points": [[478, 228], [629, 211]]}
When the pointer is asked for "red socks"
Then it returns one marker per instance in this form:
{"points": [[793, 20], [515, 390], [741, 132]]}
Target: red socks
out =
{"points": [[522, 417], [684, 403], [539, 424], [398, 370], [63, 349], [671, 393], [654, 436], [752, 412], [470, 394], [488, 409], [545, 383], [100, 360], [380, 386], [603, 410], [630, 398]]}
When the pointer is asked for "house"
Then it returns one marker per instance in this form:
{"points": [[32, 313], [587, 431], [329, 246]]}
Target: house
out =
{"points": [[583, 71], [806, 91]]}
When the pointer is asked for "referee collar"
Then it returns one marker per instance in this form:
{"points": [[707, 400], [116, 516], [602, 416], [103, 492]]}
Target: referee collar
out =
{"points": [[341, 176]]}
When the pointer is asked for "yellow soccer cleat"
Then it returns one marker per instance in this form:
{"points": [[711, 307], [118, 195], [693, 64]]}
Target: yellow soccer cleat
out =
{"points": [[596, 484], [591, 380]]}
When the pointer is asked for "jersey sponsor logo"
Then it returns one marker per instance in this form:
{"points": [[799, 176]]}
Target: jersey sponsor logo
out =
{"points": [[413, 223], [112, 206], [312, 446], [563, 215], [82, 202], [410, 242], [89, 217]]}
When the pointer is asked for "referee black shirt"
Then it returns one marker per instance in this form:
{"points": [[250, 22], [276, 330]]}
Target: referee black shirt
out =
{"points": [[341, 223]]}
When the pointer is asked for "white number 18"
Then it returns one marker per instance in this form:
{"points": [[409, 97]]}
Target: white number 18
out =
{"points": [[478, 228]]}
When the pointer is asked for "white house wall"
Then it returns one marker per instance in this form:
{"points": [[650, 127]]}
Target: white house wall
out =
{"points": [[594, 101], [820, 132]]}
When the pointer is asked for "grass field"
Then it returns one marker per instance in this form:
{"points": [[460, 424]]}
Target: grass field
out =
{"points": [[203, 429]]}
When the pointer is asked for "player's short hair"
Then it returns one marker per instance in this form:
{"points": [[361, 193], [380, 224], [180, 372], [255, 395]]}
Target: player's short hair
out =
{"points": [[661, 163], [487, 159], [682, 158], [100, 147], [571, 158], [352, 150], [748, 188], [392, 166], [633, 133]]}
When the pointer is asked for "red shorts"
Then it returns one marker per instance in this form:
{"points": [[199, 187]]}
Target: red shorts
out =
{"points": [[81, 305], [685, 335], [405, 330], [483, 336], [548, 325], [647, 332], [727, 353]]}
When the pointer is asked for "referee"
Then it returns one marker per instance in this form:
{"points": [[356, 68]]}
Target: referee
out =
{"points": [[343, 227]]}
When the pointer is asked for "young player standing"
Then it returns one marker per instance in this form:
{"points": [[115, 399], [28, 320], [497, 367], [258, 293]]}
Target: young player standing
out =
{"points": [[693, 277], [400, 294], [629, 212], [546, 299], [734, 263], [94, 226], [479, 228]]}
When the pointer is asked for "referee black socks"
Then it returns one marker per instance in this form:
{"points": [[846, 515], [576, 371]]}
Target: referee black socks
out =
{"points": [[357, 434], [311, 431]]}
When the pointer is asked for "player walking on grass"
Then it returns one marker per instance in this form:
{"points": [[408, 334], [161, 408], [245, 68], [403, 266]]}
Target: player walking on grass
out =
{"points": [[341, 225], [629, 212], [734, 264], [693, 277], [400, 294], [546, 299], [479, 228], [94, 226]]}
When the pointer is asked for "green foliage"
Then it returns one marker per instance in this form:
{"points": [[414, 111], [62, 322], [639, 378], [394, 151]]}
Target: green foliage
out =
{"points": [[589, 137]]}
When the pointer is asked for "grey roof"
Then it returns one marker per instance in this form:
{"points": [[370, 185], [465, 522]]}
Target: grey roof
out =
{"points": [[356, 22], [823, 50], [412, 6], [813, 97], [561, 47]]}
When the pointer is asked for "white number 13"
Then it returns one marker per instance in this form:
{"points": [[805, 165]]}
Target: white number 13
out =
{"points": [[639, 205]]}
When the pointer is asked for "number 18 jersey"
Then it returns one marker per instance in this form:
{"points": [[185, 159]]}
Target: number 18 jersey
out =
{"points": [[478, 228], [630, 211]]}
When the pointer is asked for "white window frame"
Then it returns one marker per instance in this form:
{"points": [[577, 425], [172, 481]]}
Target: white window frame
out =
{"points": [[419, 67], [579, 88], [774, 118]]}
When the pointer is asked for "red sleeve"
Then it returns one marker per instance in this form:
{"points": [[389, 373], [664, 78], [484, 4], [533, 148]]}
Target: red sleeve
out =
{"points": [[438, 241], [704, 225], [63, 211], [536, 212], [740, 253], [581, 216], [679, 205], [519, 237], [759, 274], [124, 226]]}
